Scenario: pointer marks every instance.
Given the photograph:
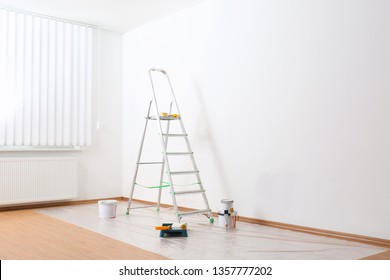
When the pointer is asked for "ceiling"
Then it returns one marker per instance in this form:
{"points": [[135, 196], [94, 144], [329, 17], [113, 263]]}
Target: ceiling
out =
{"points": [[115, 15]]}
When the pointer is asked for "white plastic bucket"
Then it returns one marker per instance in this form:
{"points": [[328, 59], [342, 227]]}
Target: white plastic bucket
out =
{"points": [[107, 208]]}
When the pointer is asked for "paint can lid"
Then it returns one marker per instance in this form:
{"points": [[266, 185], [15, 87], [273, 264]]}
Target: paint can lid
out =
{"points": [[108, 202]]}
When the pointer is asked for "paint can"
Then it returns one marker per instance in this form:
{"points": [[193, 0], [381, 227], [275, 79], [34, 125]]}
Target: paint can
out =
{"points": [[227, 217], [107, 208]]}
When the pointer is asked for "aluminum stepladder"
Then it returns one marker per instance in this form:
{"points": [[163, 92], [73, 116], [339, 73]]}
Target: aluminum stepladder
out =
{"points": [[165, 166]]}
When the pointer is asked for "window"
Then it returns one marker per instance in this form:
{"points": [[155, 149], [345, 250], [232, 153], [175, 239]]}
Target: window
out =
{"points": [[45, 81]]}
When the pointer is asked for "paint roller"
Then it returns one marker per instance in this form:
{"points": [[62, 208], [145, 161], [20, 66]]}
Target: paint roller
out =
{"points": [[172, 227]]}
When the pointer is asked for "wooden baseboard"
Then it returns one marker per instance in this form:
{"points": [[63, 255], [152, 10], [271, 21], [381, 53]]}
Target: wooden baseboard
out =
{"points": [[384, 243], [53, 204]]}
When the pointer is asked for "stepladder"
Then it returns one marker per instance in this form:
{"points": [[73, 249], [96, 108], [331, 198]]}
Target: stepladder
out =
{"points": [[176, 167]]}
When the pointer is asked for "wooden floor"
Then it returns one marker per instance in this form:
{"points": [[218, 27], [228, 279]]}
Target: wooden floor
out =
{"points": [[29, 235], [381, 256]]}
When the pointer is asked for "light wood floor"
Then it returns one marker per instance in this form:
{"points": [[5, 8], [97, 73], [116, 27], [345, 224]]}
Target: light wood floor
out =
{"points": [[29, 235], [381, 256]]}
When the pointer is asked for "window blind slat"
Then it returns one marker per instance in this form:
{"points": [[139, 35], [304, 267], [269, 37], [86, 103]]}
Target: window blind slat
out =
{"points": [[59, 104], [19, 78], [36, 80], [82, 85], [68, 83], [88, 91], [52, 76], [75, 83], [28, 86], [44, 82], [10, 76]]}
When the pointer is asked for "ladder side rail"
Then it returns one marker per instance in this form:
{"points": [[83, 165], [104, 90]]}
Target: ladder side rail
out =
{"points": [[170, 86], [176, 210], [138, 160], [189, 149], [165, 138], [174, 96], [195, 167]]}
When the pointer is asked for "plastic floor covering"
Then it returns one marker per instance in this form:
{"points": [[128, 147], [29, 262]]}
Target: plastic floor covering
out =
{"points": [[207, 241]]}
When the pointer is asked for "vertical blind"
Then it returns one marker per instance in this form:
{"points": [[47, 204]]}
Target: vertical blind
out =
{"points": [[45, 81]]}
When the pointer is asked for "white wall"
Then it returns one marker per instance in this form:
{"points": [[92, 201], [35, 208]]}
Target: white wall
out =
{"points": [[100, 165], [286, 103], [103, 160]]}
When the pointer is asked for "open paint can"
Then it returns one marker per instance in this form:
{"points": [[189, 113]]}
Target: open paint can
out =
{"points": [[227, 217]]}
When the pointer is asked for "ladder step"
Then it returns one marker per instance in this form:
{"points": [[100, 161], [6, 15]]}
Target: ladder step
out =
{"points": [[174, 135], [151, 162], [140, 207], [194, 212], [163, 118], [188, 192], [179, 153], [184, 172]]}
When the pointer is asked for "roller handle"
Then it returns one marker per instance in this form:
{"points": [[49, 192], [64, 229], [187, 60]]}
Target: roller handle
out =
{"points": [[163, 227]]}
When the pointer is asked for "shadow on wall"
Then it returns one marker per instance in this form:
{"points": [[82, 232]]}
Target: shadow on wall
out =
{"points": [[205, 131]]}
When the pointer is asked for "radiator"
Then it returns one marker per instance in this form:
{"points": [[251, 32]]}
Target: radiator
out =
{"points": [[27, 180]]}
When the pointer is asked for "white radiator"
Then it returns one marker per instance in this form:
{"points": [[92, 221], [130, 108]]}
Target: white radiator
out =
{"points": [[26, 180]]}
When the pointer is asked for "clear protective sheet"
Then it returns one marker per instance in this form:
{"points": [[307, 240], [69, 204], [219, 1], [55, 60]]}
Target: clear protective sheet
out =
{"points": [[208, 241]]}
